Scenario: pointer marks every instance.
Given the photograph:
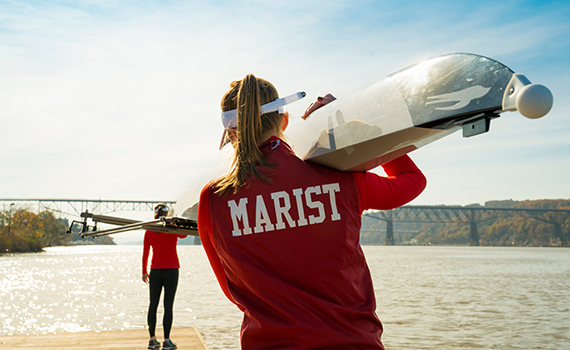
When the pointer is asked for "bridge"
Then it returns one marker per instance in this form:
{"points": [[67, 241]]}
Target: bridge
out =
{"points": [[468, 215], [74, 207], [410, 213]]}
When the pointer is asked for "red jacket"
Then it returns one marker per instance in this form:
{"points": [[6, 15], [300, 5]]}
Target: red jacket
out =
{"points": [[288, 253], [164, 255]]}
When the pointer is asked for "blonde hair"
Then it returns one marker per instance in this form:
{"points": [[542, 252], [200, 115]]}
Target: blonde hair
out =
{"points": [[247, 96]]}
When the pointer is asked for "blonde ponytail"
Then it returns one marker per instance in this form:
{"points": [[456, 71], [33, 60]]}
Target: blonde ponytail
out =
{"points": [[247, 96]]}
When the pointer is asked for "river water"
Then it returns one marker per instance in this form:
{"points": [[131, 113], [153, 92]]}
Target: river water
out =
{"points": [[428, 297]]}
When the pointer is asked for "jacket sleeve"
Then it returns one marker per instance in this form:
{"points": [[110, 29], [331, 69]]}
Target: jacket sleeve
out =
{"points": [[146, 252], [206, 237], [403, 183]]}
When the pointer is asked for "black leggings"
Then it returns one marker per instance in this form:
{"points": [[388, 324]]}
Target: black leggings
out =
{"points": [[158, 278]]}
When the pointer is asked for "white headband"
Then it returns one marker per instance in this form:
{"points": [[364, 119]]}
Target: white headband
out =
{"points": [[229, 118]]}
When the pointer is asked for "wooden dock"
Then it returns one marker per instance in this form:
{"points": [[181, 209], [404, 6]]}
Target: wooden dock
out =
{"points": [[185, 338]]}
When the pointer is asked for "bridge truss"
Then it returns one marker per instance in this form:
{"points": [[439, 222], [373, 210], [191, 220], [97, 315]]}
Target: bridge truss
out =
{"points": [[74, 207]]}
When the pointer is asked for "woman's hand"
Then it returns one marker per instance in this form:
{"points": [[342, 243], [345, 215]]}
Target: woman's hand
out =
{"points": [[145, 277], [321, 101]]}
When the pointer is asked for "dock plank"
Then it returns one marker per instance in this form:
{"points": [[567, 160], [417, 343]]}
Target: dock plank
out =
{"points": [[186, 338]]}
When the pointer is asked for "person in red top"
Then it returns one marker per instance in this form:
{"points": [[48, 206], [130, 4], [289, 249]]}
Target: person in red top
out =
{"points": [[282, 235], [163, 274]]}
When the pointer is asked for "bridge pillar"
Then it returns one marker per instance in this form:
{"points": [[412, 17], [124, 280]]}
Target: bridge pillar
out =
{"points": [[389, 232], [558, 233], [474, 234]]}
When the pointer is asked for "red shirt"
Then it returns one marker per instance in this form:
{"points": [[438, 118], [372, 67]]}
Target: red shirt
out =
{"points": [[164, 255], [288, 253]]}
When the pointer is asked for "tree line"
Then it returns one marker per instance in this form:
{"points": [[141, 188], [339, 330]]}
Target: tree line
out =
{"points": [[549, 229], [24, 231]]}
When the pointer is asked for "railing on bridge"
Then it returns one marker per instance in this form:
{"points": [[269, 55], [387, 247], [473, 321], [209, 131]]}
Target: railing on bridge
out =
{"points": [[458, 214]]}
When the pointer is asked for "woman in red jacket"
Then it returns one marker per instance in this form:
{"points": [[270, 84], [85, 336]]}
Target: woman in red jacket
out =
{"points": [[163, 274], [282, 235]]}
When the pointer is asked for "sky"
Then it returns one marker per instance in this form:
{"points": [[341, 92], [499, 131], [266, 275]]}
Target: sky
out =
{"points": [[119, 100]]}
